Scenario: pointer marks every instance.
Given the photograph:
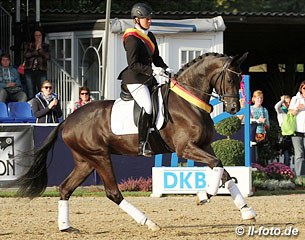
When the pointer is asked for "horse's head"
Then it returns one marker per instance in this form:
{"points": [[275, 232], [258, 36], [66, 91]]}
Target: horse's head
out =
{"points": [[227, 83], [214, 71]]}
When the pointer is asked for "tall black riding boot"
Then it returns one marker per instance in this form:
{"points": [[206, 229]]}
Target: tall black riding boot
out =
{"points": [[143, 126]]}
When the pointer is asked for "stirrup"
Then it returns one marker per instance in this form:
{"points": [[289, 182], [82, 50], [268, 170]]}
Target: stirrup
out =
{"points": [[144, 149]]}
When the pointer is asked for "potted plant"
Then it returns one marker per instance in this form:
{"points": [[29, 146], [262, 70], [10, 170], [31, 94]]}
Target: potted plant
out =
{"points": [[229, 151]]}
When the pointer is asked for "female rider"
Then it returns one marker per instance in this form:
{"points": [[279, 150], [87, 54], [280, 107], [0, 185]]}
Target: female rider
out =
{"points": [[142, 50]]}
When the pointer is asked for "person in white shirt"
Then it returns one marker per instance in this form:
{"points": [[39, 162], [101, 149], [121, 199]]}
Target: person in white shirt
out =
{"points": [[297, 108]]}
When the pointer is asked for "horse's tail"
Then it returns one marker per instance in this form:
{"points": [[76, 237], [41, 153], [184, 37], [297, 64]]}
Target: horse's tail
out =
{"points": [[34, 182]]}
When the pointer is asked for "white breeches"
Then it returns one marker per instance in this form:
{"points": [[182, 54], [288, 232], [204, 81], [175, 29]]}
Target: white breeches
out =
{"points": [[141, 95]]}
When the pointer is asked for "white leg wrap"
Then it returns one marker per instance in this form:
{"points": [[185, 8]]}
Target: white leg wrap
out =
{"points": [[202, 198], [247, 213], [63, 214], [213, 185], [136, 214], [238, 199]]}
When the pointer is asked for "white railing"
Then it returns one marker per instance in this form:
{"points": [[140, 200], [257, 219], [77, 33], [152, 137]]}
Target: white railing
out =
{"points": [[5, 30], [64, 85]]}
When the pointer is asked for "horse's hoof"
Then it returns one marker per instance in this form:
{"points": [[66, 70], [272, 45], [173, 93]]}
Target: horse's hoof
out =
{"points": [[247, 213], [202, 198], [71, 230], [152, 226]]}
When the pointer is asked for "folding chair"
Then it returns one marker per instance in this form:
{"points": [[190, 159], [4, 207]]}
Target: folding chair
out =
{"points": [[21, 112], [4, 118]]}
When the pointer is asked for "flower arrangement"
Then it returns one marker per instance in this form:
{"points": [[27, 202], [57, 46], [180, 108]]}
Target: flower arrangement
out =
{"points": [[274, 176], [140, 184], [275, 170], [279, 171], [258, 167]]}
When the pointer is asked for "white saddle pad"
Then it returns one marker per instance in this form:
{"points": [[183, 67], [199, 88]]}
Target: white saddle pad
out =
{"points": [[122, 116]]}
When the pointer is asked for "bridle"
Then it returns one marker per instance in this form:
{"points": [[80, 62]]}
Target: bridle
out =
{"points": [[221, 95], [221, 77]]}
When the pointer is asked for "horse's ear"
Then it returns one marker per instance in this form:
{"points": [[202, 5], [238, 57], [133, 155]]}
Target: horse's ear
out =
{"points": [[238, 61]]}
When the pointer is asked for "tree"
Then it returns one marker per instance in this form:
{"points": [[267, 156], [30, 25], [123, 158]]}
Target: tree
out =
{"points": [[170, 5]]}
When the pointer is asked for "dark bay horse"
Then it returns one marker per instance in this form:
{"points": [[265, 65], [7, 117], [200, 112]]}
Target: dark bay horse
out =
{"points": [[87, 132]]}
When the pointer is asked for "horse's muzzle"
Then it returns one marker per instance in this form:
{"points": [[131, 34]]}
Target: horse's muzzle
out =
{"points": [[232, 107]]}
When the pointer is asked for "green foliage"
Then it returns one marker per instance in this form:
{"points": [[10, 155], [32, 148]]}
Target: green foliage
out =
{"points": [[229, 151], [273, 184], [300, 181], [228, 126], [259, 176], [171, 5]]}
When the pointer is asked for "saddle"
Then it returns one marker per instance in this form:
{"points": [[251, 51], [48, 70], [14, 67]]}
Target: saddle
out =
{"points": [[125, 95], [155, 139]]}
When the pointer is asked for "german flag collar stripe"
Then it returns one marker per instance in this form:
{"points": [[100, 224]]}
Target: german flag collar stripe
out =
{"points": [[137, 33], [182, 92]]}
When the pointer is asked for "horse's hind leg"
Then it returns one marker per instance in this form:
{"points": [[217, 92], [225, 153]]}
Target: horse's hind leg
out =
{"points": [[77, 176], [247, 213], [113, 193]]}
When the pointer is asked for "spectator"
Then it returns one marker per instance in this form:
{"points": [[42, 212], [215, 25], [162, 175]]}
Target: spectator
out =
{"points": [[45, 105], [281, 108], [10, 85], [297, 108], [36, 55], [260, 114], [84, 97]]}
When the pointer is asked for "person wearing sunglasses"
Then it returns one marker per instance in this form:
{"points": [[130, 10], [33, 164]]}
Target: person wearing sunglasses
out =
{"points": [[138, 77], [45, 105], [84, 97], [297, 108]]}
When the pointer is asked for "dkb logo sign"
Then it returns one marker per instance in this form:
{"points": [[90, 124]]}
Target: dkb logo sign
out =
{"points": [[185, 180]]}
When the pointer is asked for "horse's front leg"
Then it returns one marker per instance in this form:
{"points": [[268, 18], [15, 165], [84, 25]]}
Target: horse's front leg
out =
{"points": [[247, 213], [206, 155], [219, 173]]}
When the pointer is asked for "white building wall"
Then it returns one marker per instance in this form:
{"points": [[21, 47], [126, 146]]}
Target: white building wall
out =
{"points": [[169, 47], [204, 35]]}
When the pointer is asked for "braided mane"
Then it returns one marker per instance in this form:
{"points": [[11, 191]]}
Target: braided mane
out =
{"points": [[200, 58]]}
